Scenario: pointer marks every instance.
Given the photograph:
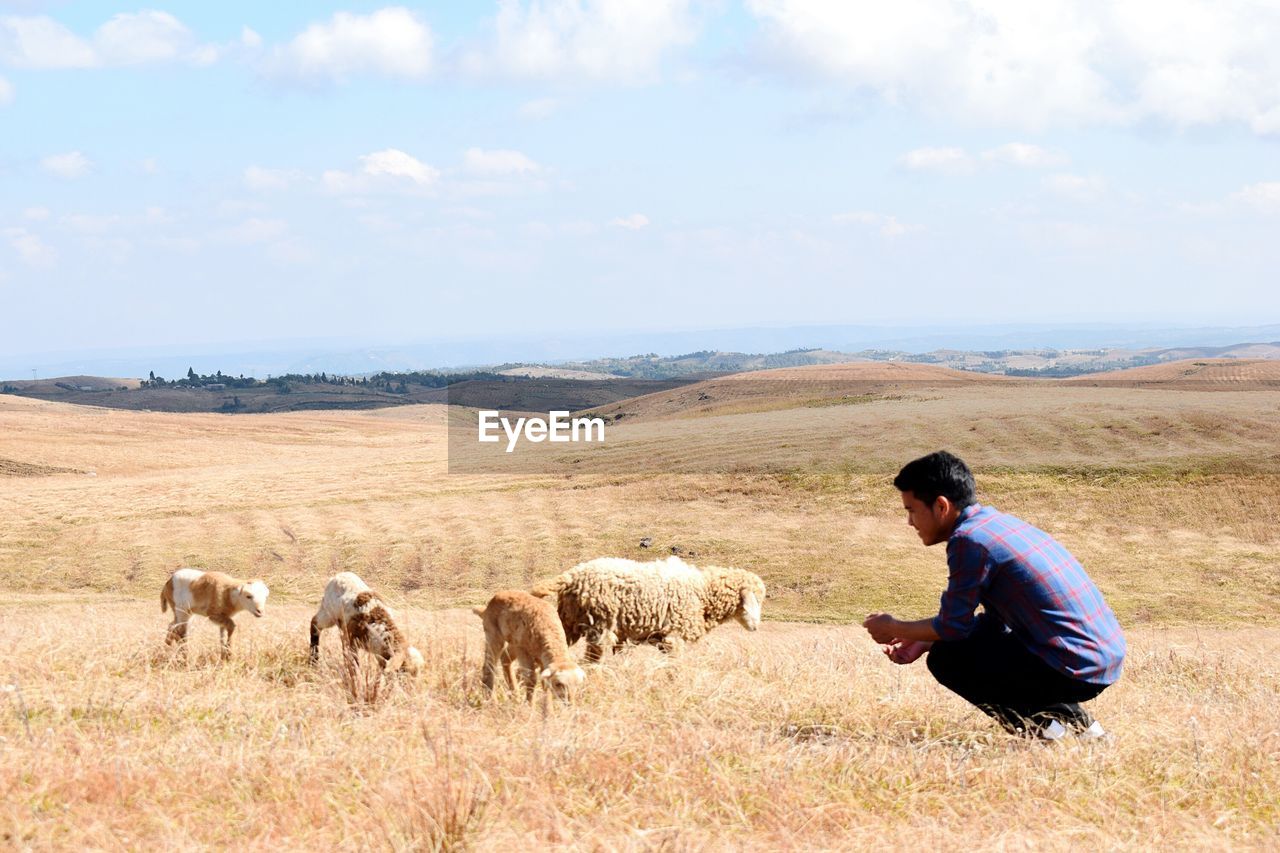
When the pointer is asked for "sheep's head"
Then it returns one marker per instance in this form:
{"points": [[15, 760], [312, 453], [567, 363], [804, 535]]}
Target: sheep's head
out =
{"points": [[413, 662], [253, 596], [750, 601], [563, 678]]}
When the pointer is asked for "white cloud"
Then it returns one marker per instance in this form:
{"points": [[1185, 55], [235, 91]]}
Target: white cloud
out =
{"points": [[6, 92], [887, 226], [393, 42], [258, 178], [41, 42], [1025, 155], [36, 214], [146, 37], [946, 161], [538, 109], [634, 222], [255, 231], [1078, 187], [89, 223], [599, 39], [341, 183], [33, 251], [149, 166], [73, 164], [1053, 62], [249, 39], [1263, 196], [395, 163], [497, 162]]}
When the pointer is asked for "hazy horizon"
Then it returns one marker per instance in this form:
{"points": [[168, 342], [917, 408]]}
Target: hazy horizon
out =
{"points": [[348, 356]]}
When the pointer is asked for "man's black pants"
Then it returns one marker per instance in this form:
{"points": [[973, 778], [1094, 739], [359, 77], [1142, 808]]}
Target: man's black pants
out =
{"points": [[993, 669]]}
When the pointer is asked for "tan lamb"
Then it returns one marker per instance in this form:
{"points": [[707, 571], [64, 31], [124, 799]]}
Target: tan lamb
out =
{"points": [[366, 623], [522, 629], [214, 595]]}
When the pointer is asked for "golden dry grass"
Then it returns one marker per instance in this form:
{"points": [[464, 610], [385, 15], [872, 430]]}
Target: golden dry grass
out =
{"points": [[800, 736], [796, 737]]}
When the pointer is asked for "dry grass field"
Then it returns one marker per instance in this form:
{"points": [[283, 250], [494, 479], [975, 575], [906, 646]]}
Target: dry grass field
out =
{"points": [[800, 736]]}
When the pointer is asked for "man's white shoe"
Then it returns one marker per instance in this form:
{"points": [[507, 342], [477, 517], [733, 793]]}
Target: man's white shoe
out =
{"points": [[1052, 731], [1094, 732]]}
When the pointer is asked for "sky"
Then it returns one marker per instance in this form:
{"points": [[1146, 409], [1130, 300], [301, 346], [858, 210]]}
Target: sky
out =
{"points": [[192, 174]]}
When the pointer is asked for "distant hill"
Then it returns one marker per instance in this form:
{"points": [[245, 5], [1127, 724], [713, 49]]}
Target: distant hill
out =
{"points": [[606, 383], [852, 383], [1050, 363], [1217, 372], [700, 363], [284, 394]]}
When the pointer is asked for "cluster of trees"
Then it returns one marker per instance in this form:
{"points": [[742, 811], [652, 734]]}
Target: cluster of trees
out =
{"points": [[392, 383], [196, 380], [398, 383]]}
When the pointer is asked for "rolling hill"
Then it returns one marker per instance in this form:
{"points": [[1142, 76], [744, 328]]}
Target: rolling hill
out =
{"points": [[1225, 373]]}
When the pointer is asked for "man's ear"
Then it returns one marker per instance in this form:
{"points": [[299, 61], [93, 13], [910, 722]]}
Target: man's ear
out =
{"points": [[942, 505]]}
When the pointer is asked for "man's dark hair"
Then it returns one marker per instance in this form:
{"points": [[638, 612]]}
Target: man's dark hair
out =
{"points": [[938, 474]]}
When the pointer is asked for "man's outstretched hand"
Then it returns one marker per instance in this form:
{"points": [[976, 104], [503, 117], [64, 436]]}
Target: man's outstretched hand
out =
{"points": [[906, 651], [888, 632], [882, 627]]}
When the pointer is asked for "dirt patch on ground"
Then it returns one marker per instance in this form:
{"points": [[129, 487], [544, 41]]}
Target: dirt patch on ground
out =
{"points": [[14, 468]]}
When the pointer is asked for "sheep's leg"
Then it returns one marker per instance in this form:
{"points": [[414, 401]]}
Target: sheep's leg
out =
{"points": [[507, 662], [178, 629], [490, 662], [528, 675], [603, 636], [226, 627], [670, 645], [316, 628]]}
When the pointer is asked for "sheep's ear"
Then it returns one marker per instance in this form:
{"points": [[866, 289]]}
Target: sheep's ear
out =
{"points": [[546, 673], [750, 603]]}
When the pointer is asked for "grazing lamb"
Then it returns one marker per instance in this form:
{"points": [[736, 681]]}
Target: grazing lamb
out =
{"points": [[524, 629], [211, 594], [366, 622], [611, 600]]}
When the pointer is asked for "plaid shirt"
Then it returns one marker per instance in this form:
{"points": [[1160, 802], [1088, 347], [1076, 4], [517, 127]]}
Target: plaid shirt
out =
{"points": [[1024, 578]]}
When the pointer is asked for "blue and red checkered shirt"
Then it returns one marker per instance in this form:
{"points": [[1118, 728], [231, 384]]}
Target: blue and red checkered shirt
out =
{"points": [[1024, 578]]}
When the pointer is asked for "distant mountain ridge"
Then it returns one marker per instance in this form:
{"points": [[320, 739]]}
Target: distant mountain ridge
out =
{"points": [[1016, 362], [355, 358]]}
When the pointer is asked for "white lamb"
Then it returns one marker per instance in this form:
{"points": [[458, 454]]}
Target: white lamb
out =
{"points": [[611, 600], [214, 595], [366, 623]]}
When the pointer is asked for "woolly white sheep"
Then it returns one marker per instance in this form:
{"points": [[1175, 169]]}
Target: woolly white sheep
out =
{"points": [[611, 600], [522, 629], [366, 623], [211, 594]]}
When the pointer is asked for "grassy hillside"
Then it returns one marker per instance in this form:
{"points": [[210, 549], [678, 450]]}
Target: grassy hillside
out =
{"points": [[1164, 494], [796, 737], [801, 735]]}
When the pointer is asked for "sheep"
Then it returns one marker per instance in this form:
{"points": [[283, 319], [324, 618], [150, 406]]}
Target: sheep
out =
{"points": [[366, 623], [521, 628], [214, 595], [611, 600]]}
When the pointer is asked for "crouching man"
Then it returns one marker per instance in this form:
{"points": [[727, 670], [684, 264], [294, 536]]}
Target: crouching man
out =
{"points": [[1046, 640]]}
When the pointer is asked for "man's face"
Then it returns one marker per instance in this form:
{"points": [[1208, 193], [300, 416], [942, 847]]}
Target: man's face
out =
{"points": [[930, 521]]}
